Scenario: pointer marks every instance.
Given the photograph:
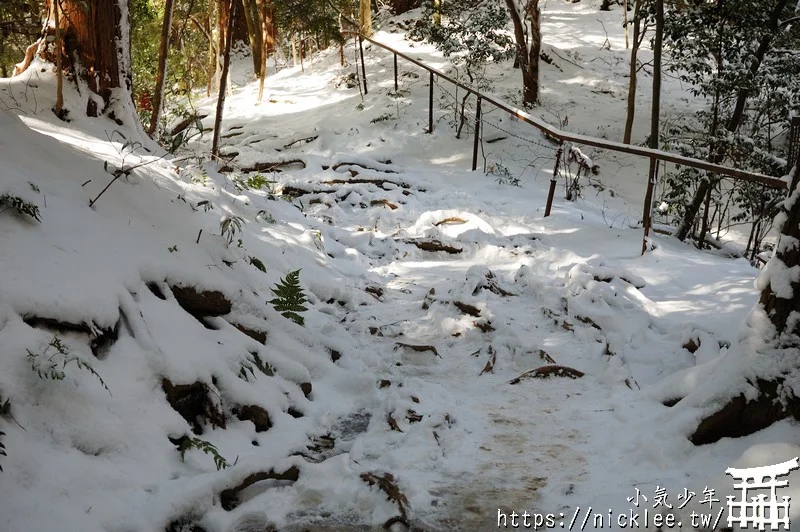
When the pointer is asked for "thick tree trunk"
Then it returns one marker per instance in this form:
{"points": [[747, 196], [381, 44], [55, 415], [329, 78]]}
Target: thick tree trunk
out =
{"points": [[437, 12], [529, 45], [255, 35], [780, 301], [161, 73], [90, 31], [365, 17], [226, 63]]}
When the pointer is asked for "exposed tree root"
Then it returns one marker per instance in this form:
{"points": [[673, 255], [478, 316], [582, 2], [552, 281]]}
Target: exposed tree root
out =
{"points": [[545, 372], [418, 348], [740, 417], [229, 498], [339, 165], [388, 485], [466, 308], [434, 246], [366, 181], [100, 339], [265, 166]]}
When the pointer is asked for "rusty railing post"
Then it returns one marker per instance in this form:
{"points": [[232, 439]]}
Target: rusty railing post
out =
{"points": [[430, 104], [395, 72], [363, 66], [648, 202], [477, 134], [552, 192]]}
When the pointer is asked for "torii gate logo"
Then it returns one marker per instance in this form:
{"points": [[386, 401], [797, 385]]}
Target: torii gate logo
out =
{"points": [[759, 510]]}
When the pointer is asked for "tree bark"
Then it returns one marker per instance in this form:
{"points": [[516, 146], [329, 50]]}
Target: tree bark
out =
{"points": [[267, 24], [226, 63], [255, 35], [161, 73], [59, 109], [437, 12], [657, 46], [90, 31], [524, 17], [365, 17], [638, 37]]}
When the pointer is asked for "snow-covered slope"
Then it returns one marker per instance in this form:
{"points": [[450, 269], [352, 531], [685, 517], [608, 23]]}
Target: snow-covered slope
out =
{"points": [[431, 291]]}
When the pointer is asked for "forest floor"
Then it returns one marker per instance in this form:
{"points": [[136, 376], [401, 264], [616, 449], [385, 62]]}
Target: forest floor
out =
{"points": [[421, 390]]}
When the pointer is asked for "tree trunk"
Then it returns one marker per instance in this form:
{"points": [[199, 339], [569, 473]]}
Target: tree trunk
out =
{"points": [[780, 301], [625, 22], [736, 117], [59, 109], [529, 45], [90, 31], [226, 63], [161, 73], [657, 46], [255, 35], [638, 35], [267, 21], [437, 12], [365, 17]]}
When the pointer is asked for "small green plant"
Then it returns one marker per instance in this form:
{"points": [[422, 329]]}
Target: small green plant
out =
{"points": [[229, 227], [173, 249], [290, 298], [205, 447], [2, 448], [258, 182], [257, 263], [5, 410], [34, 187], [52, 367], [246, 370], [503, 175], [382, 118], [20, 205], [206, 205], [262, 366]]}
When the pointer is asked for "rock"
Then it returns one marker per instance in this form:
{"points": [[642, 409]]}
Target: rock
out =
{"points": [[193, 402], [201, 303], [258, 415]]}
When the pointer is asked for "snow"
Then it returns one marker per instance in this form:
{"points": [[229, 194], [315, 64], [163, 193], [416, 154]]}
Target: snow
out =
{"points": [[571, 289]]}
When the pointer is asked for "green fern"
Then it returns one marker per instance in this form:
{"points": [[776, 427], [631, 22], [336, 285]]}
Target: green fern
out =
{"points": [[255, 261], [205, 447], [52, 367], [290, 298]]}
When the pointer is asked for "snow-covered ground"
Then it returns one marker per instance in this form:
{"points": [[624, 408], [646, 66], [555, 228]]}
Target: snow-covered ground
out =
{"points": [[408, 359]]}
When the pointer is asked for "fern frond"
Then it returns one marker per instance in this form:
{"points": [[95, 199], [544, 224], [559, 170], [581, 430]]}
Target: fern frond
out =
{"points": [[206, 448], [290, 298]]}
